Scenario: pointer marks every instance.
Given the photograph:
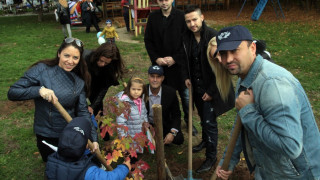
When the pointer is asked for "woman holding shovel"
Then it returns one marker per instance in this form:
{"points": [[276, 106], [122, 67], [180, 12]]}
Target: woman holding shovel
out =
{"points": [[64, 77]]}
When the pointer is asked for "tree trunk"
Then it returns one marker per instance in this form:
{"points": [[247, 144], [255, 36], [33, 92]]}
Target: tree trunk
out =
{"points": [[40, 15]]}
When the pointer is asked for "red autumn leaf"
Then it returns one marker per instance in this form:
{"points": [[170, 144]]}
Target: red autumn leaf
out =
{"points": [[142, 165], [109, 158], [103, 131], [140, 138], [151, 146], [133, 152]]}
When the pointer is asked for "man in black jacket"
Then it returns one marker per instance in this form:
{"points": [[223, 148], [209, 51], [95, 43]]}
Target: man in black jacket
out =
{"points": [[167, 97], [163, 41], [197, 72]]}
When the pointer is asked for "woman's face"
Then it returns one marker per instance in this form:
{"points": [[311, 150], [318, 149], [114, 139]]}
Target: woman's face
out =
{"points": [[69, 58], [103, 61]]}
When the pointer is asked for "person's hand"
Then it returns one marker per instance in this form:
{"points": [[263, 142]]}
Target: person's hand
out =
{"points": [[88, 8], [95, 147], [168, 139], [170, 61], [117, 38], [188, 83], [161, 62], [206, 97], [222, 173], [48, 94], [127, 162], [90, 110], [244, 98]]}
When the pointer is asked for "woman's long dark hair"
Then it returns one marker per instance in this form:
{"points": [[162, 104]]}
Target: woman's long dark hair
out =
{"points": [[109, 50], [80, 70]]}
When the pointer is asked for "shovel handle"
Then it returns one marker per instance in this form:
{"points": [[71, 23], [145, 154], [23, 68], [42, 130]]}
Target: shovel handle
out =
{"points": [[68, 118], [230, 148], [190, 131], [165, 162]]}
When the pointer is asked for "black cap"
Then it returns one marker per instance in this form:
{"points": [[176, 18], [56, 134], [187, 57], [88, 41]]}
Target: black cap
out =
{"points": [[74, 138], [155, 69]]}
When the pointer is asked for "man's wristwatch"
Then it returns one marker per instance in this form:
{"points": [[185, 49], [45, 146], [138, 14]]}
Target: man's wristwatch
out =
{"points": [[174, 133]]}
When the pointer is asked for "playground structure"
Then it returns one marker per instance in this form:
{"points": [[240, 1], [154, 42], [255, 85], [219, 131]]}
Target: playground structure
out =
{"points": [[138, 14], [140, 9]]}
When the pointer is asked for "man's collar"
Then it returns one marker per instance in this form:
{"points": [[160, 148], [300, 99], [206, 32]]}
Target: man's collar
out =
{"points": [[159, 93]]}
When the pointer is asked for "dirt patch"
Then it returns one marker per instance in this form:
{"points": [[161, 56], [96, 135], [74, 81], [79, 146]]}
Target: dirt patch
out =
{"points": [[292, 14], [8, 107]]}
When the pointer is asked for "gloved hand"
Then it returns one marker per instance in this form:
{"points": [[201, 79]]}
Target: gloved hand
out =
{"points": [[48, 95]]}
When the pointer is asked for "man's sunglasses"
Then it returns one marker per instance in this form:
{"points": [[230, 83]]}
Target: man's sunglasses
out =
{"points": [[70, 40]]}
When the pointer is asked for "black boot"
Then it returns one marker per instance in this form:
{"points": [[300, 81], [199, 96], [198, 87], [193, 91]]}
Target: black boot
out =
{"points": [[206, 165], [199, 147]]}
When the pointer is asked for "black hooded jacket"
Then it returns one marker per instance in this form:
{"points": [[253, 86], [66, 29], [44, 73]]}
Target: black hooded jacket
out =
{"points": [[208, 76]]}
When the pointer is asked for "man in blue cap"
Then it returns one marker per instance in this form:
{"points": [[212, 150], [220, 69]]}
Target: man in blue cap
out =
{"points": [[280, 138], [71, 162], [167, 97]]}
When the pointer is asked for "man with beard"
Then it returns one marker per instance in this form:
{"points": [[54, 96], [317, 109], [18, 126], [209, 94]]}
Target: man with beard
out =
{"points": [[206, 96], [280, 138], [167, 97], [163, 41]]}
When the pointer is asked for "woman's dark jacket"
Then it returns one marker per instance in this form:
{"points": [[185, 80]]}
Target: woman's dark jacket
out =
{"points": [[68, 88], [64, 14], [101, 80], [208, 76]]}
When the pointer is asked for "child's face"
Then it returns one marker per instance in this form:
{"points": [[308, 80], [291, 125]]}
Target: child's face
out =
{"points": [[109, 25], [136, 90]]}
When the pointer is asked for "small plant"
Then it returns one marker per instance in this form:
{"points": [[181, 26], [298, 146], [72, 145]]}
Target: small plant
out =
{"points": [[122, 147]]}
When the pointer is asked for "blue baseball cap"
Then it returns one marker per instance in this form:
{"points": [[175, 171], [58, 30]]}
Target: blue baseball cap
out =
{"points": [[108, 21], [74, 138], [155, 69], [230, 38]]}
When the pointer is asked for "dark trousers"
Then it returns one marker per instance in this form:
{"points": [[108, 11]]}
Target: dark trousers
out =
{"points": [[209, 125], [93, 20], [184, 95], [45, 150], [126, 18]]}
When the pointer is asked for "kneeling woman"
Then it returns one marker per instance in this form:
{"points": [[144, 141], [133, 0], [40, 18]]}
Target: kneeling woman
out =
{"points": [[106, 68], [64, 78]]}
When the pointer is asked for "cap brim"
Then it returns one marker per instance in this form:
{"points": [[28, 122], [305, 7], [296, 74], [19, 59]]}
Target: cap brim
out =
{"points": [[226, 46]]}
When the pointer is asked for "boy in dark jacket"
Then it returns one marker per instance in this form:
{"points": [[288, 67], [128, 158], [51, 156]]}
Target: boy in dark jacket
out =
{"points": [[70, 162]]}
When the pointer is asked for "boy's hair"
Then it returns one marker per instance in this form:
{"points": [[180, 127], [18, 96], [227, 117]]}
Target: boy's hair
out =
{"points": [[139, 81], [192, 8]]}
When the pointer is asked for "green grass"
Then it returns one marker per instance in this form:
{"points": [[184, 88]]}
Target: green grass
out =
{"points": [[24, 40]]}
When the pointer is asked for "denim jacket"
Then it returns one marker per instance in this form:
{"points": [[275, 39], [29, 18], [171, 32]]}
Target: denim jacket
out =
{"points": [[68, 88], [280, 138]]}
